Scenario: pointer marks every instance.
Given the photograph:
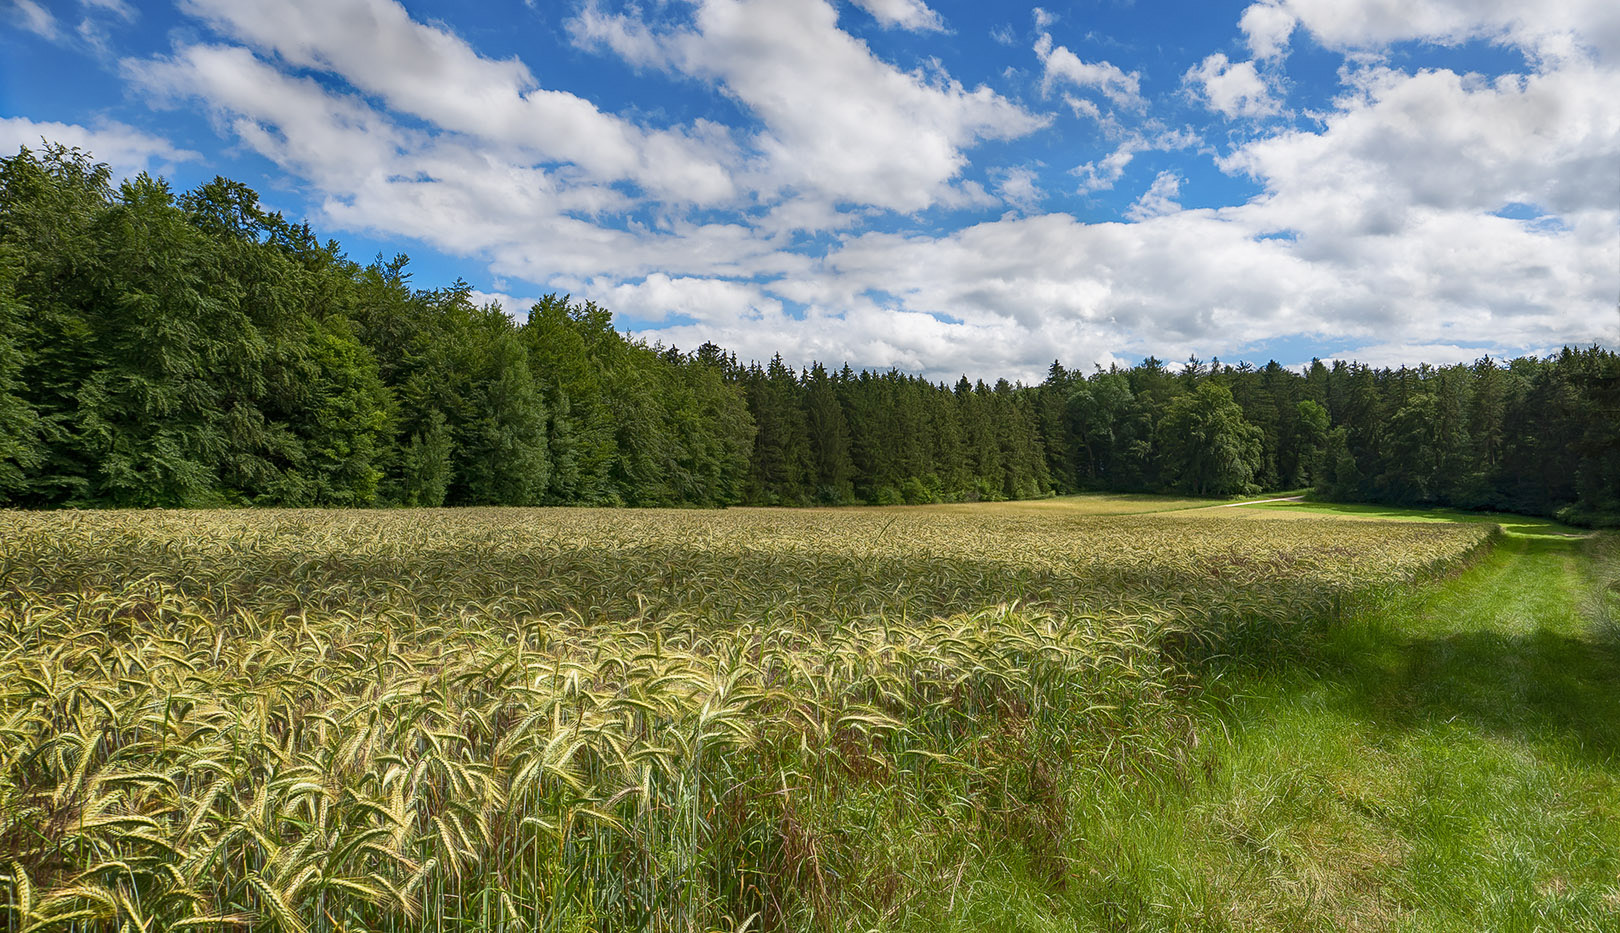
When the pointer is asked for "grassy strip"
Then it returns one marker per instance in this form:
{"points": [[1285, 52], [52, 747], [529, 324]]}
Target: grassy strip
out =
{"points": [[1510, 523], [1443, 761]]}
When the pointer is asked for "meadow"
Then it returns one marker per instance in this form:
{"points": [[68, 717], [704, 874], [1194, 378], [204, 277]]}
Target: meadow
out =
{"points": [[989, 717]]}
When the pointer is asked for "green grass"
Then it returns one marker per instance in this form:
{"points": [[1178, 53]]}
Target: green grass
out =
{"points": [[1511, 523], [1445, 762]]}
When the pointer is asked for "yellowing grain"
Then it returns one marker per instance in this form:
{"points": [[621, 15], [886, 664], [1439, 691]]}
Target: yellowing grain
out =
{"points": [[587, 719]]}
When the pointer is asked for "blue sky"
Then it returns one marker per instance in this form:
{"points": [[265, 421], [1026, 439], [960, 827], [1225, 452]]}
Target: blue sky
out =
{"points": [[947, 187]]}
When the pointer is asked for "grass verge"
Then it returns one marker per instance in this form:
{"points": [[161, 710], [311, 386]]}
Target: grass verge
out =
{"points": [[1444, 761]]}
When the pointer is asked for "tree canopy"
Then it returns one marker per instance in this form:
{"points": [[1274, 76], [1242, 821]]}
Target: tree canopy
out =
{"points": [[196, 349]]}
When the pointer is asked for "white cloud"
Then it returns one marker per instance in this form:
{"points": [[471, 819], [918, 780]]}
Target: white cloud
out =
{"points": [[1435, 354], [428, 72], [1233, 89], [1043, 18], [34, 18], [1105, 172], [1553, 28], [89, 34], [1267, 27], [1012, 294], [659, 297], [1063, 66], [1454, 142], [515, 308], [838, 121], [1017, 187], [1083, 108], [1386, 199], [1159, 199], [905, 14], [128, 151], [120, 8], [448, 191], [1391, 251]]}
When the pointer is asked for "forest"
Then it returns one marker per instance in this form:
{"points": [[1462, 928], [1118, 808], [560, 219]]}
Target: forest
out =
{"points": [[195, 349]]}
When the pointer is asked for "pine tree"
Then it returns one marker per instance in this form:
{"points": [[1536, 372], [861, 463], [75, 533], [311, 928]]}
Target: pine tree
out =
{"points": [[828, 436], [566, 352], [781, 462], [497, 420]]}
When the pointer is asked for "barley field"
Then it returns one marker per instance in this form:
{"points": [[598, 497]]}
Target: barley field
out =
{"points": [[574, 719]]}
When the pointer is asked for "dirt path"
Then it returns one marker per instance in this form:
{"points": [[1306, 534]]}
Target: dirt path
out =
{"points": [[1233, 505]]}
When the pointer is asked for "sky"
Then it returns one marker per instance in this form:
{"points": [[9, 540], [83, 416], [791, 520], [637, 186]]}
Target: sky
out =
{"points": [[944, 187]]}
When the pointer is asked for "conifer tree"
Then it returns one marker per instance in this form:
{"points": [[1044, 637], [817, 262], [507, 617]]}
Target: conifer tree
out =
{"points": [[828, 436]]}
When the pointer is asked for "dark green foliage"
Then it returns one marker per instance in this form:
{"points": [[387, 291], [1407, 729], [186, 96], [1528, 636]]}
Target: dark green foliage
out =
{"points": [[1057, 429], [497, 421], [565, 343], [782, 465], [148, 420], [48, 205], [347, 420], [714, 433], [19, 428], [425, 465], [831, 469], [1412, 440], [163, 350], [1304, 457], [1206, 445]]}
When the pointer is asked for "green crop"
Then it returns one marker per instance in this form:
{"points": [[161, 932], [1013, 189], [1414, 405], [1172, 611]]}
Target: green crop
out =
{"points": [[590, 719]]}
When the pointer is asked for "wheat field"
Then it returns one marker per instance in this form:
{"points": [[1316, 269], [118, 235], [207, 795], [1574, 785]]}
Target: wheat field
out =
{"points": [[539, 720]]}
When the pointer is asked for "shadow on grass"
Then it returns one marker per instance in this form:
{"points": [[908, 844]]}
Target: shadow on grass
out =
{"points": [[1507, 654], [1544, 688]]}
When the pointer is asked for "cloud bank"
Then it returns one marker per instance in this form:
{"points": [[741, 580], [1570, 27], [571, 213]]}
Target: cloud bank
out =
{"points": [[873, 210]]}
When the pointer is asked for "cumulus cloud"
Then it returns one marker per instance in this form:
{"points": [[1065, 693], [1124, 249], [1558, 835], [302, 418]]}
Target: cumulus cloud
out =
{"points": [[515, 308], [1448, 141], [126, 150], [661, 298], [1233, 89], [905, 14], [1004, 297], [1435, 354], [1377, 228], [1555, 28], [837, 120], [1267, 27], [448, 191], [1061, 66], [1159, 199], [1019, 188], [428, 72], [1103, 173]]}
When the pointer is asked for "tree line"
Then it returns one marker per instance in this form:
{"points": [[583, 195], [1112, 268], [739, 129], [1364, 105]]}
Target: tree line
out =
{"points": [[194, 349]]}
